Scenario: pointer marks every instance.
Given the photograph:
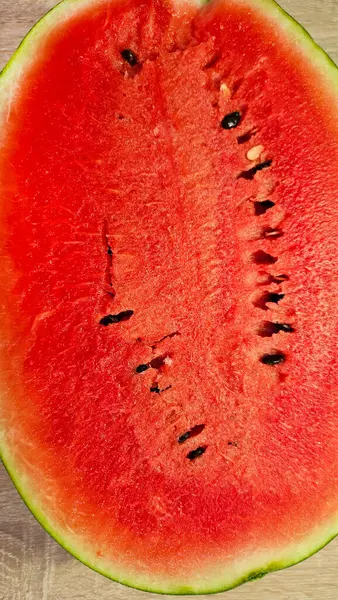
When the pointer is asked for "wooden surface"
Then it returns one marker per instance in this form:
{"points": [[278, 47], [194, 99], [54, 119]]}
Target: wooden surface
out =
{"points": [[32, 565]]}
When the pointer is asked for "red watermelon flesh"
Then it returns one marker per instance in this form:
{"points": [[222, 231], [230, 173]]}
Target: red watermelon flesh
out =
{"points": [[169, 259]]}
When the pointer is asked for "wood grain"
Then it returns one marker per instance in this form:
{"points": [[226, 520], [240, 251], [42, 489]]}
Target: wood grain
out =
{"points": [[32, 565]]}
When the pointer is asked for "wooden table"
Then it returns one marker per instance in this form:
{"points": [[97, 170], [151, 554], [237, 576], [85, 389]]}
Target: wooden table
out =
{"points": [[32, 565]]}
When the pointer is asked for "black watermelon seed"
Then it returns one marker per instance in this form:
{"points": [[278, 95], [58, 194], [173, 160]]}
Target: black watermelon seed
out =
{"points": [[250, 173], [122, 316], [263, 258], [191, 433], [264, 165], [183, 438], [196, 453], [268, 297], [231, 120], [108, 320], [142, 368], [129, 56], [262, 207], [273, 359], [155, 389], [273, 297]]}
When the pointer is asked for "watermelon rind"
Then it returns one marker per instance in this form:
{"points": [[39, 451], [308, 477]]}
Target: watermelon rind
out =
{"points": [[260, 565], [317, 542]]}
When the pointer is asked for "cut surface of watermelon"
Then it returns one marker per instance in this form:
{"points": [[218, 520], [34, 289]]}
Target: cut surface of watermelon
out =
{"points": [[169, 261]]}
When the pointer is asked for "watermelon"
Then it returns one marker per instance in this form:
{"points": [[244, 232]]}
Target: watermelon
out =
{"points": [[169, 258]]}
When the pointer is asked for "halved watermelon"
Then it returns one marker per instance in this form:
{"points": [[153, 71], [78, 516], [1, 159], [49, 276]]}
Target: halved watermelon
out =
{"points": [[169, 256]]}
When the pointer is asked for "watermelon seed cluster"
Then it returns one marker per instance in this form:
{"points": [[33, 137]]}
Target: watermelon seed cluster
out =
{"points": [[193, 454], [270, 328], [260, 257], [157, 363]]}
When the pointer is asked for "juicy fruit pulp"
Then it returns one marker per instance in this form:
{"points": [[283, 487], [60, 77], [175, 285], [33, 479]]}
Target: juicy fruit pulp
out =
{"points": [[169, 256]]}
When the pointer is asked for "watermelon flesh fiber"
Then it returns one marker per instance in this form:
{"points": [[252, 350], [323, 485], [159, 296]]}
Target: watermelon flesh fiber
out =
{"points": [[169, 285]]}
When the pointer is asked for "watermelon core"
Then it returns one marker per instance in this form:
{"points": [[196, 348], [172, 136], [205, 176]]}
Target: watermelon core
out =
{"points": [[169, 261]]}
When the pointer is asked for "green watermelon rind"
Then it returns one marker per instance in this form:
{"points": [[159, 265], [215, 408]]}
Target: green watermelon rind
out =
{"points": [[327, 70], [179, 590]]}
